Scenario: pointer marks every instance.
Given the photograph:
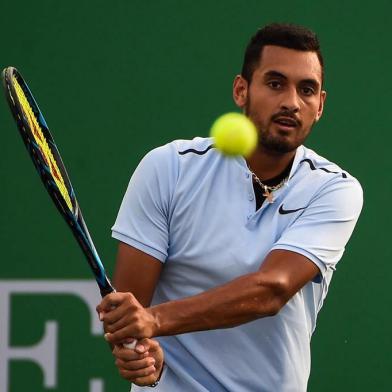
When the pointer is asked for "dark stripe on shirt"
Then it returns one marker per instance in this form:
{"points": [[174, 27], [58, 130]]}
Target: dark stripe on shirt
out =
{"points": [[196, 151], [311, 164]]}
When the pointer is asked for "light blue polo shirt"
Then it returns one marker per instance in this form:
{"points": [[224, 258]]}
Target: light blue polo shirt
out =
{"points": [[194, 210]]}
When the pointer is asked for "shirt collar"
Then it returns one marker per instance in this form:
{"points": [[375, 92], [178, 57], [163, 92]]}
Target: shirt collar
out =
{"points": [[299, 154]]}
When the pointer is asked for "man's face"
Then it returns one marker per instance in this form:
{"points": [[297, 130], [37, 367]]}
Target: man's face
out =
{"points": [[284, 98]]}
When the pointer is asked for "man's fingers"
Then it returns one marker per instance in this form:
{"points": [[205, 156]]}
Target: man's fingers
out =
{"points": [[153, 344], [143, 345], [139, 366], [113, 300], [108, 302], [114, 321], [116, 313], [135, 364], [134, 375], [117, 337], [127, 354]]}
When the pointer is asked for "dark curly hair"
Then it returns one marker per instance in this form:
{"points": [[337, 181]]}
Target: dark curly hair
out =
{"points": [[279, 34]]}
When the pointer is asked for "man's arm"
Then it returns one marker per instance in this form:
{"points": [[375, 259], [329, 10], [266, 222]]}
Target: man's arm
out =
{"points": [[136, 272], [244, 299]]}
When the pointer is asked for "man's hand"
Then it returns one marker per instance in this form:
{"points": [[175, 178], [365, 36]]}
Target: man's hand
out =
{"points": [[124, 317], [142, 366]]}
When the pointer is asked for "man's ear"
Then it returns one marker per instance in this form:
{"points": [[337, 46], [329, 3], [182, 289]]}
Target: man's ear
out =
{"points": [[240, 91], [323, 96]]}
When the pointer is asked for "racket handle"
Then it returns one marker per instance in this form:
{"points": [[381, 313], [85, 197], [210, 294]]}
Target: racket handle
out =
{"points": [[131, 345]]}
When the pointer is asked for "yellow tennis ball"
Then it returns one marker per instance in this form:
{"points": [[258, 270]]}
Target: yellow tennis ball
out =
{"points": [[234, 134]]}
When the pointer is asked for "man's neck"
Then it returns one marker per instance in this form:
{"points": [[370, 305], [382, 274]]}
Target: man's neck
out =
{"points": [[268, 165]]}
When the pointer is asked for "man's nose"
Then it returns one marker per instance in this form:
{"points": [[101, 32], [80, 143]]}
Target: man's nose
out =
{"points": [[290, 100]]}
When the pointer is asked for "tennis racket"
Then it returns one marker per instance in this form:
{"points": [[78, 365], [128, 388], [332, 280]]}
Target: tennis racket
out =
{"points": [[47, 160]]}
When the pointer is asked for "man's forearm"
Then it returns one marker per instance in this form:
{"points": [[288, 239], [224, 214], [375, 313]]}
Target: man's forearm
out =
{"points": [[249, 297], [242, 300]]}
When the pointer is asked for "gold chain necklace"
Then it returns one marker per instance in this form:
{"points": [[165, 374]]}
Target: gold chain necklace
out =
{"points": [[267, 188]]}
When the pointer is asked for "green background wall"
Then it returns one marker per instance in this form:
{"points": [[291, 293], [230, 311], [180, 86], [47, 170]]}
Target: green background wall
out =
{"points": [[117, 78]]}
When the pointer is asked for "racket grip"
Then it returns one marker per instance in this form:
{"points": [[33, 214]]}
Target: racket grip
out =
{"points": [[131, 345]]}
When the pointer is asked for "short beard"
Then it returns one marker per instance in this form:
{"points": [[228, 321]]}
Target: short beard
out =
{"points": [[272, 144]]}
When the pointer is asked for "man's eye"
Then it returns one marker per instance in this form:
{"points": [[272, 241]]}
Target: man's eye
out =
{"points": [[308, 91], [274, 84]]}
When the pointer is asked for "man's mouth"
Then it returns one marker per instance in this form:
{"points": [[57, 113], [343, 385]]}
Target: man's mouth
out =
{"points": [[287, 123]]}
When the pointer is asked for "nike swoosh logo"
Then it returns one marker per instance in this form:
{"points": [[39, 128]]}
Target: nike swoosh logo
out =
{"points": [[283, 211]]}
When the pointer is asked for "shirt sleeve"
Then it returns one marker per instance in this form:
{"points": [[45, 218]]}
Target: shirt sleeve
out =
{"points": [[322, 231], [143, 218]]}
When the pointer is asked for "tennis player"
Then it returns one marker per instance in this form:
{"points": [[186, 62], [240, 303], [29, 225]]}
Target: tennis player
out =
{"points": [[224, 263]]}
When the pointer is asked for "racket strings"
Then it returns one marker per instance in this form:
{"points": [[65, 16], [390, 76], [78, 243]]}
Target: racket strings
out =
{"points": [[42, 143]]}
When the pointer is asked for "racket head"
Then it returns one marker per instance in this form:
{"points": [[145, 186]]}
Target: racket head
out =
{"points": [[47, 160], [39, 141]]}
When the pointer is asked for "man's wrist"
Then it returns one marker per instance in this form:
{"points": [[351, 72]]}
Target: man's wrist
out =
{"points": [[156, 327]]}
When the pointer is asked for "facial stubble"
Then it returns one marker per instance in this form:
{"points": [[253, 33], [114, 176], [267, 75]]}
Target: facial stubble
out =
{"points": [[271, 143]]}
